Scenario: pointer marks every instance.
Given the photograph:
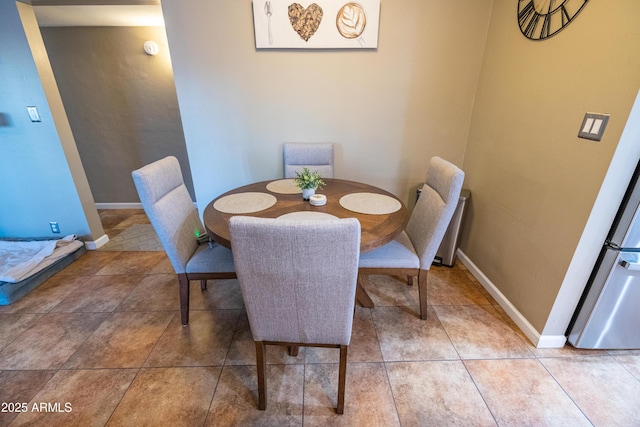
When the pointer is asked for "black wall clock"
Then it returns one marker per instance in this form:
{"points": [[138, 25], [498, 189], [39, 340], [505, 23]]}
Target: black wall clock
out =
{"points": [[541, 19]]}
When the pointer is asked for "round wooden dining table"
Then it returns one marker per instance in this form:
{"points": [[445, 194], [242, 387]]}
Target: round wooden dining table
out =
{"points": [[382, 215], [377, 228]]}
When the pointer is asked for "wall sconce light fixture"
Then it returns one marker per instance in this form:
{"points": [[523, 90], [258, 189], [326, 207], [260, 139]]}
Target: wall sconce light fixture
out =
{"points": [[151, 48]]}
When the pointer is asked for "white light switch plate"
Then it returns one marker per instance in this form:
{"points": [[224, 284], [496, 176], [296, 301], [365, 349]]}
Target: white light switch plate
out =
{"points": [[593, 126]]}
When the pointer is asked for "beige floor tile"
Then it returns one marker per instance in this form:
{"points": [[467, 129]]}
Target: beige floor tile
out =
{"points": [[138, 217], [164, 267], [368, 398], [51, 340], [403, 336], [235, 402], [448, 286], [521, 392], [224, 294], [391, 291], [167, 397], [437, 393], [516, 329], [47, 295], [205, 342], [12, 325], [99, 294], [631, 362], [78, 398], [155, 292], [121, 218], [17, 388], [124, 340], [607, 393], [242, 350], [137, 237], [479, 332], [132, 263], [364, 346], [89, 263]]}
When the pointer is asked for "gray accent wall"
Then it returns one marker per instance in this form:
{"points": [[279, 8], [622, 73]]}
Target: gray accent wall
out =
{"points": [[121, 103]]}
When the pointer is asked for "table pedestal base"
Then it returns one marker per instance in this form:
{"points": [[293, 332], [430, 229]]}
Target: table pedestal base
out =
{"points": [[361, 295]]}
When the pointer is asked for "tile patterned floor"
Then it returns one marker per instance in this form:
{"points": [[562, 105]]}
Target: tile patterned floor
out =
{"points": [[138, 237], [101, 344], [128, 230]]}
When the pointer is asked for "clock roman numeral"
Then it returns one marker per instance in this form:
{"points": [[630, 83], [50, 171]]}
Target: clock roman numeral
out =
{"points": [[546, 25], [526, 12], [533, 23], [565, 15], [568, 14], [529, 18]]}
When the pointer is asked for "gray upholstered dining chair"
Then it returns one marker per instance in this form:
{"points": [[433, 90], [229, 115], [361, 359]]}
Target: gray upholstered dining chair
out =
{"points": [[167, 203], [317, 156], [298, 280], [412, 252]]}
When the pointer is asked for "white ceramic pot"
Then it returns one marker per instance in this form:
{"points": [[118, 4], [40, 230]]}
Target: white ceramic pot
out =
{"points": [[308, 192]]}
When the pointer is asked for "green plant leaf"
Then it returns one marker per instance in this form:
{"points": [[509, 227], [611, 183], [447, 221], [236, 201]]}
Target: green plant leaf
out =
{"points": [[307, 179]]}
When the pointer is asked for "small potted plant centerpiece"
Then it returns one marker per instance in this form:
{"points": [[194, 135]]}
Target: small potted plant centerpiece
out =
{"points": [[308, 182]]}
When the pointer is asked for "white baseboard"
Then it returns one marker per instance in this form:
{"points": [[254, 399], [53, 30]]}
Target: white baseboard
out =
{"points": [[526, 327], [551, 341], [98, 243], [119, 205]]}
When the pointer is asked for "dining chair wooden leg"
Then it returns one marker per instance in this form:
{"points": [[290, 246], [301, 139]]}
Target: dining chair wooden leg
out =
{"points": [[361, 295], [410, 280], [293, 350], [261, 361], [183, 282], [342, 378], [203, 285], [422, 293]]}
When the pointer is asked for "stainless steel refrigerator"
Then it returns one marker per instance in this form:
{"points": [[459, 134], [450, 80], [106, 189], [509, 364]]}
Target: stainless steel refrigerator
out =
{"points": [[608, 315]]}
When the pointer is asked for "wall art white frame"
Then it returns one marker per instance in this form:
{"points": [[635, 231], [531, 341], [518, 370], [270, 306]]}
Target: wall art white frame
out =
{"points": [[323, 24]]}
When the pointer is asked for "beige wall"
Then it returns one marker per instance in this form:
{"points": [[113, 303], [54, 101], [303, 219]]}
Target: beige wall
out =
{"points": [[533, 182], [389, 109]]}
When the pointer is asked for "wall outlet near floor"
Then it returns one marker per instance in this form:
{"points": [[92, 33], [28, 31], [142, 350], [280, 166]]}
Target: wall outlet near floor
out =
{"points": [[54, 227]]}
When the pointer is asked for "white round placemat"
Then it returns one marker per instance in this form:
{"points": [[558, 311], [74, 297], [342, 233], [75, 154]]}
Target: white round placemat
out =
{"points": [[307, 215], [284, 186], [244, 202], [370, 203]]}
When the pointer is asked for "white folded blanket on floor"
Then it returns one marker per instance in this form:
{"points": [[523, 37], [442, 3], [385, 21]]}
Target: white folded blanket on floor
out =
{"points": [[19, 258]]}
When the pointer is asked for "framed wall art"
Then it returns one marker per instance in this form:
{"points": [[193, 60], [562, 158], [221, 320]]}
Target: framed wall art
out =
{"points": [[325, 24]]}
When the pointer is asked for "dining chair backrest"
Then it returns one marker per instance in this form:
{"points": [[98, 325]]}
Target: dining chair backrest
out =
{"points": [[166, 201], [298, 277], [434, 209], [317, 156]]}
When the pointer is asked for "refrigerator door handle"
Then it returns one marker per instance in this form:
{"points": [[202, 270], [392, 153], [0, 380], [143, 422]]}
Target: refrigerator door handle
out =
{"points": [[630, 261], [631, 266]]}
